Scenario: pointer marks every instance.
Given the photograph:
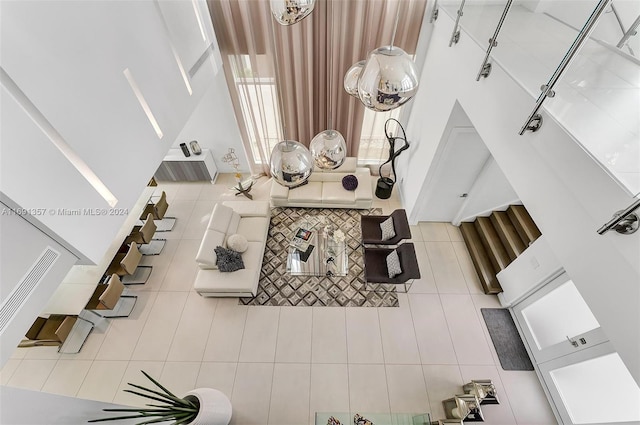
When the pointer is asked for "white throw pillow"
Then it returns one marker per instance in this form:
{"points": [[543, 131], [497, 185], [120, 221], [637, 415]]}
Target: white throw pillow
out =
{"points": [[393, 264], [388, 231], [237, 243]]}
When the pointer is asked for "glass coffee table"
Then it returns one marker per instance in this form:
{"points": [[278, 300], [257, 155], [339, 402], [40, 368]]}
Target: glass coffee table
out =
{"points": [[316, 250]]}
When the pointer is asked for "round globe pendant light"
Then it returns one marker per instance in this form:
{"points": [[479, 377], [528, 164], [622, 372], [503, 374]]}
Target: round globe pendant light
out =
{"points": [[388, 79], [291, 163], [328, 149], [351, 78], [289, 12]]}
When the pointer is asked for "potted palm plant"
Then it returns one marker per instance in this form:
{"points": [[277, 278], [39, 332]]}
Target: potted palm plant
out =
{"points": [[198, 407]]}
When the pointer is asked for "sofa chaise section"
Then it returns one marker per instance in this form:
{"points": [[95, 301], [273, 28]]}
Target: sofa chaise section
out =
{"points": [[247, 218]]}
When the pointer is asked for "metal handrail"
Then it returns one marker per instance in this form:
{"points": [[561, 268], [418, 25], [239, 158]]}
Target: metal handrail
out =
{"points": [[493, 41], [630, 33], [619, 217], [621, 25], [583, 35], [455, 36]]}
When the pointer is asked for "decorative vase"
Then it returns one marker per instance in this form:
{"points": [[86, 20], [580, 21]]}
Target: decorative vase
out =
{"points": [[384, 187], [215, 407]]}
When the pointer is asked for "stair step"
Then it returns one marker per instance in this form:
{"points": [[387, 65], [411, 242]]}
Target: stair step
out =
{"points": [[480, 259], [489, 237], [508, 234], [523, 223]]}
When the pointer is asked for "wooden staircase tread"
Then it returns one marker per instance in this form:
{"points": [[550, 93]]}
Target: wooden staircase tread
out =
{"points": [[492, 243], [480, 259], [513, 244], [524, 224]]}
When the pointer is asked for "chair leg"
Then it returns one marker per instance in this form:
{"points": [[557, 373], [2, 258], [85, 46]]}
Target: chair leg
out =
{"points": [[123, 308], [154, 247], [139, 277], [166, 224]]}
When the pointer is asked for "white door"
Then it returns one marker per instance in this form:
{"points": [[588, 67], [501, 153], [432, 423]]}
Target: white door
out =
{"points": [[556, 321], [592, 386], [457, 167]]}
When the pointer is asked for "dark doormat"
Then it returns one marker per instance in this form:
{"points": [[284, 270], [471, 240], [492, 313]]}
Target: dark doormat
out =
{"points": [[506, 339]]}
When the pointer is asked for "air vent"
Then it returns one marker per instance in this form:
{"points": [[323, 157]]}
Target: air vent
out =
{"points": [[26, 286], [201, 60]]}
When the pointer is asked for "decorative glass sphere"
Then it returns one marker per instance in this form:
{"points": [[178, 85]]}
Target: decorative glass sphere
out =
{"points": [[351, 78], [388, 80], [328, 149], [289, 12], [291, 163]]}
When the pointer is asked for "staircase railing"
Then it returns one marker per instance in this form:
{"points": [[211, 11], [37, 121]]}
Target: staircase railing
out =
{"points": [[624, 221]]}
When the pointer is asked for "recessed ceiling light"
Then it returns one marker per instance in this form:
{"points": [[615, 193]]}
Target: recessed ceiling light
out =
{"points": [[142, 101], [56, 138]]}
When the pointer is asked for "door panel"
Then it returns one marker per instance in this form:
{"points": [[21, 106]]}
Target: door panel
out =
{"points": [[593, 386], [557, 321]]}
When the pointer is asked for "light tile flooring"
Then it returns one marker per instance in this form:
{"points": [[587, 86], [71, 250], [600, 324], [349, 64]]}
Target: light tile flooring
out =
{"points": [[279, 365]]}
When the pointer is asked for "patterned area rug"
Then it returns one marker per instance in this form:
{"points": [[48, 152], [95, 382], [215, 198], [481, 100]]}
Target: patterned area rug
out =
{"points": [[277, 288]]}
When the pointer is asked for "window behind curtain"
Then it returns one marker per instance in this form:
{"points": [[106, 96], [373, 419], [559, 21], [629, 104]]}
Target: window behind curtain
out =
{"points": [[259, 104]]}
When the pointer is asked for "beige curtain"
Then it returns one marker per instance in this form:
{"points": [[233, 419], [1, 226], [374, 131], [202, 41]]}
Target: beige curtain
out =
{"points": [[308, 61]]}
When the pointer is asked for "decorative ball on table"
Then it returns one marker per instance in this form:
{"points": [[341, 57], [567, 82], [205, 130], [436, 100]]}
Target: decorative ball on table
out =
{"points": [[350, 182]]}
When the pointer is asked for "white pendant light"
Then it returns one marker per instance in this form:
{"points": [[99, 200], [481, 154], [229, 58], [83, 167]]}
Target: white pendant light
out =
{"points": [[328, 147], [289, 12]]}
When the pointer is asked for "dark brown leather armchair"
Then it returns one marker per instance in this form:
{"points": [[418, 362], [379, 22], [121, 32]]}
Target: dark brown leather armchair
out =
{"points": [[375, 265], [372, 234]]}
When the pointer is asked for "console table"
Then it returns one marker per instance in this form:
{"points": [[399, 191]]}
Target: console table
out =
{"points": [[177, 167]]}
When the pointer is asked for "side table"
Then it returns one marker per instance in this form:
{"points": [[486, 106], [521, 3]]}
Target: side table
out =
{"points": [[243, 187]]}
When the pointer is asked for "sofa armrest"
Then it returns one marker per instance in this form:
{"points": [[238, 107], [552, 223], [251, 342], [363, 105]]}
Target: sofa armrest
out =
{"points": [[250, 208], [278, 191]]}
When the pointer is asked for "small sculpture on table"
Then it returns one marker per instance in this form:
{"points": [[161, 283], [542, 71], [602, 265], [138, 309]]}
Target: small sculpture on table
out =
{"points": [[242, 188]]}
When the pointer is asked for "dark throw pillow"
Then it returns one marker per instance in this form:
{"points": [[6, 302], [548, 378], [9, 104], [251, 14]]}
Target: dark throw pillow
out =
{"points": [[350, 182], [228, 260]]}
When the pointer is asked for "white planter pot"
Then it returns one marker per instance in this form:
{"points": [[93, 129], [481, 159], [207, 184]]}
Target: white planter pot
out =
{"points": [[215, 407]]}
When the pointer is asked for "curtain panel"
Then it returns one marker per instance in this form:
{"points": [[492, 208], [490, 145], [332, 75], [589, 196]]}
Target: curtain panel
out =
{"points": [[304, 64]]}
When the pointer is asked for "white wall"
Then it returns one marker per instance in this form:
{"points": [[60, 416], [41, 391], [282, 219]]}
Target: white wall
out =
{"points": [[490, 192], [203, 126], [67, 59], [568, 195]]}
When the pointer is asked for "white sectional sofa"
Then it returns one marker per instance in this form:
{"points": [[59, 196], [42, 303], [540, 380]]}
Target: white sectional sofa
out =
{"points": [[247, 218], [324, 189]]}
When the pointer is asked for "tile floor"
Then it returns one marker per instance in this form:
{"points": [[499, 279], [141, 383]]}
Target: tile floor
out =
{"points": [[279, 365]]}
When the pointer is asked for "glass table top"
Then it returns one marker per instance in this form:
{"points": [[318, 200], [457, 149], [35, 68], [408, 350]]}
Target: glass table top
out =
{"points": [[317, 250]]}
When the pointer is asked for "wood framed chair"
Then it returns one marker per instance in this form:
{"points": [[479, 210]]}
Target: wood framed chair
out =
{"points": [[53, 330], [126, 265], [376, 271], [143, 236], [108, 299], [372, 233], [158, 210]]}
